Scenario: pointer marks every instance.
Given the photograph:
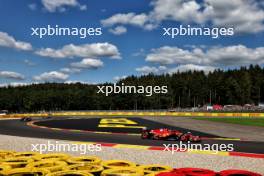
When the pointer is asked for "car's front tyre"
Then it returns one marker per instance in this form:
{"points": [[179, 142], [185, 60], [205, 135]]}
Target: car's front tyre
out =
{"points": [[144, 135]]}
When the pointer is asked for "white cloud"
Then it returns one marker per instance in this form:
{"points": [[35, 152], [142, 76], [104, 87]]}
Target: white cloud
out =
{"points": [[170, 55], [77, 81], [88, 63], [129, 18], [11, 75], [70, 70], [51, 76], [15, 84], [118, 78], [192, 67], [147, 69], [9, 41], [179, 10], [217, 56], [140, 20], [118, 30], [246, 16], [60, 5], [85, 50]]}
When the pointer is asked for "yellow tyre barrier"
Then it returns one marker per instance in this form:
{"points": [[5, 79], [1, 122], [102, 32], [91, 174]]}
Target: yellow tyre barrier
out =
{"points": [[94, 169], [16, 162], [154, 168], [118, 164], [26, 172], [4, 168], [25, 154], [23, 164], [53, 156], [152, 174], [51, 165], [123, 172], [93, 160], [5, 154], [71, 173]]}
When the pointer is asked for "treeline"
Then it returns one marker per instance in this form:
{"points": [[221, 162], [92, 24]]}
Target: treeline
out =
{"points": [[187, 89]]}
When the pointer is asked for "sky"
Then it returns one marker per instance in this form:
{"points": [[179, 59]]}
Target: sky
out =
{"points": [[131, 42]]}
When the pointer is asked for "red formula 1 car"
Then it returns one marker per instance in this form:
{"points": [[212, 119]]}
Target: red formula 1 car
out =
{"points": [[167, 134]]}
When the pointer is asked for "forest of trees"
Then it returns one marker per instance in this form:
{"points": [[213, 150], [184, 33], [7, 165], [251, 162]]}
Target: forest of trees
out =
{"points": [[186, 89]]}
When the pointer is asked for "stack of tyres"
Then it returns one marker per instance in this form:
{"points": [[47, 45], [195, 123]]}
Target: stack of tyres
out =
{"points": [[237, 172], [121, 168], [126, 171], [4, 169], [15, 163], [93, 169], [25, 154], [53, 156], [169, 174], [26, 171], [196, 172], [72, 173], [154, 168], [87, 164], [91, 160], [5, 154], [206, 172], [50, 165], [59, 164], [111, 164]]}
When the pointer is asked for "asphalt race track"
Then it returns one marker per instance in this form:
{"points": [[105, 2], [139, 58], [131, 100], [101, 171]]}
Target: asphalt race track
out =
{"points": [[121, 126], [18, 128]]}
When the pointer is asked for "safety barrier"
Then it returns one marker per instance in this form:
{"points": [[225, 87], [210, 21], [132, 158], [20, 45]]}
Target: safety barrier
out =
{"points": [[124, 113], [58, 164], [91, 160], [206, 172], [111, 164], [53, 156], [93, 169], [148, 169]]}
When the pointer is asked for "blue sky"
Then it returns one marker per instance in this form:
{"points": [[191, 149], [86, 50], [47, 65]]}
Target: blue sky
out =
{"points": [[132, 40]]}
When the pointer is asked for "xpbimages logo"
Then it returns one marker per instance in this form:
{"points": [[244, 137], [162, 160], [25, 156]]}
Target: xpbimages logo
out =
{"points": [[56, 146], [182, 147], [56, 30], [197, 31], [128, 89]]}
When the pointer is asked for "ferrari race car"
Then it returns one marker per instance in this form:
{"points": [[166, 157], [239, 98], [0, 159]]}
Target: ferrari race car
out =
{"points": [[167, 134]]}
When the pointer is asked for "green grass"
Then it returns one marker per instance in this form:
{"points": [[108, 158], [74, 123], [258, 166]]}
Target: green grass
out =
{"points": [[240, 121]]}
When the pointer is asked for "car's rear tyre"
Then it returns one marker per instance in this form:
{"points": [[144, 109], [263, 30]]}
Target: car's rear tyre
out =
{"points": [[184, 138], [144, 135]]}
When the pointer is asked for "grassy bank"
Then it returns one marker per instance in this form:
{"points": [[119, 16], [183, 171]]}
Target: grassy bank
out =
{"points": [[240, 121]]}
